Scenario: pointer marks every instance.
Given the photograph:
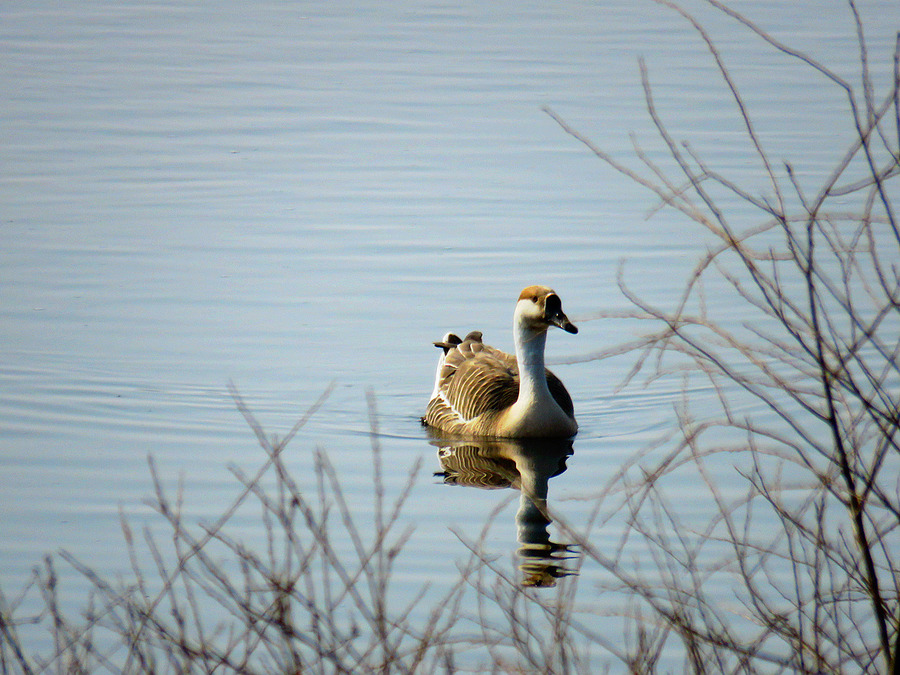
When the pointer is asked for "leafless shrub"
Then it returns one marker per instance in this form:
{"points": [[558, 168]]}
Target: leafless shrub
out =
{"points": [[799, 571], [297, 603]]}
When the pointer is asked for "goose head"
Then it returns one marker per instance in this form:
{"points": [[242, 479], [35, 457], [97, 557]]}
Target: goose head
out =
{"points": [[539, 308]]}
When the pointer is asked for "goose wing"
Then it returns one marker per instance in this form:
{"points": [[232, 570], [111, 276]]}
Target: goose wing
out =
{"points": [[474, 379], [560, 394]]}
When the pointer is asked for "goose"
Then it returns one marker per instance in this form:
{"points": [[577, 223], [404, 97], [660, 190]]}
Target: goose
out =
{"points": [[482, 391]]}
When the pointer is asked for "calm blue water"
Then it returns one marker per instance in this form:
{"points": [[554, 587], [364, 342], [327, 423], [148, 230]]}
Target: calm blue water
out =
{"points": [[303, 194]]}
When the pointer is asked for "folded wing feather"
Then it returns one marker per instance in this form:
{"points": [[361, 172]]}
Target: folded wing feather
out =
{"points": [[476, 380]]}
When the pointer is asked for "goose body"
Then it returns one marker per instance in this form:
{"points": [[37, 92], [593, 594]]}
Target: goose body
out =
{"points": [[482, 391]]}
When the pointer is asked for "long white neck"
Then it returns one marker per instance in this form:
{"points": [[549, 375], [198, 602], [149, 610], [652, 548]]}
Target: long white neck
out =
{"points": [[530, 356]]}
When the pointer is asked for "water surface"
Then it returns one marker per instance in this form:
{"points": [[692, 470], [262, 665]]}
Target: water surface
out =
{"points": [[304, 195]]}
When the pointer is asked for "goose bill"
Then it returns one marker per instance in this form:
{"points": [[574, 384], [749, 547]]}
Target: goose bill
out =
{"points": [[561, 320]]}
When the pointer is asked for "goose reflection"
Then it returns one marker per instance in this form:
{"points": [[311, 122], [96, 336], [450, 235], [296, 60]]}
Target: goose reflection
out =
{"points": [[528, 466]]}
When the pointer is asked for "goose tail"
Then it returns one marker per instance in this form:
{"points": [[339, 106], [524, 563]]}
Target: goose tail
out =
{"points": [[450, 341]]}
